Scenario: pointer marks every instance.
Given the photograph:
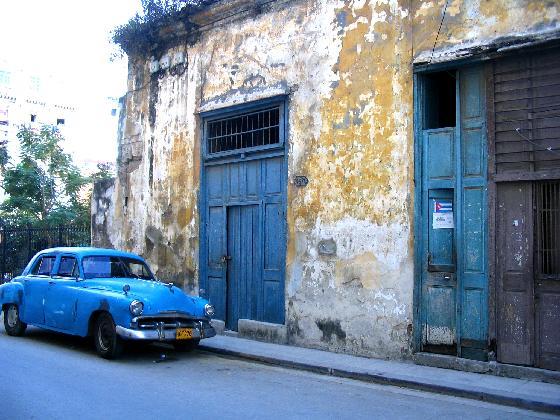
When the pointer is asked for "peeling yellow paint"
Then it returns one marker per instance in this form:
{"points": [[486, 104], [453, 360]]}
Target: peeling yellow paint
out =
{"points": [[358, 156], [479, 21]]}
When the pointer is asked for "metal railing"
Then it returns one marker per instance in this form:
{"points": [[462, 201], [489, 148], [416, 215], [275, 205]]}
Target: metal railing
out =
{"points": [[19, 244]]}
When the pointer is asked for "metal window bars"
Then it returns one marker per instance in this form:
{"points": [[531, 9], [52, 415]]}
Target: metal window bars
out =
{"points": [[547, 208], [254, 129]]}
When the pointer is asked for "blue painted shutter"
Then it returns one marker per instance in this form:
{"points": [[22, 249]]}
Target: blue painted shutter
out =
{"points": [[216, 240], [472, 224], [439, 279], [274, 241]]}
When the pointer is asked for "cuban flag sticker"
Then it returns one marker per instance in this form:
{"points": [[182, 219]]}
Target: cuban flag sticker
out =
{"points": [[443, 215]]}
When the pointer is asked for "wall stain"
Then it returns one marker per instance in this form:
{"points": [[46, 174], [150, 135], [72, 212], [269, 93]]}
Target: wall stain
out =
{"points": [[330, 328]]}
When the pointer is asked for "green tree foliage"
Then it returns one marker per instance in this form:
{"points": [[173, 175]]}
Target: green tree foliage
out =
{"points": [[43, 187], [140, 32]]}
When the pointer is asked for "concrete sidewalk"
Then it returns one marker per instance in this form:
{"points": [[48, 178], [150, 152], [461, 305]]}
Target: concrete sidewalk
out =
{"points": [[521, 393]]}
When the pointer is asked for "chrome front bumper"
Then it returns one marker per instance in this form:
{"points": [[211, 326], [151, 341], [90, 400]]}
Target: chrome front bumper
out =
{"points": [[160, 333]]}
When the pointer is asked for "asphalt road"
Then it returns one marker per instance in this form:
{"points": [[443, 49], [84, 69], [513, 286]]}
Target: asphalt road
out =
{"points": [[44, 375]]}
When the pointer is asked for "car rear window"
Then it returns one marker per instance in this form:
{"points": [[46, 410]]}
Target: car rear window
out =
{"points": [[68, 267]]}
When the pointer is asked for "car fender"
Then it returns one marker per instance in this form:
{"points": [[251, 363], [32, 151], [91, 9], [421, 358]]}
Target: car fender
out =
{"points": [[11, 292], [94, 301]]}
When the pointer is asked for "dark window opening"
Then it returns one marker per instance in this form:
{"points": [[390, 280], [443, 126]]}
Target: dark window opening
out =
{"points": [[440, 100], [548, 229], [254, 129], [60, 121], [33, 117]]}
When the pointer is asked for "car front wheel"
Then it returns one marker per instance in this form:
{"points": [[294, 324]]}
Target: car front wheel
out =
{"points": [[12, 323], [107, 342]]}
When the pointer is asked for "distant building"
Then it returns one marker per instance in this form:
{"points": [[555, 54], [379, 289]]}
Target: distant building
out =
{"points": [[30, 98]]}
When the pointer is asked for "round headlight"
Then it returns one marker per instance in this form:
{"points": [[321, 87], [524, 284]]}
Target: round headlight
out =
{"points": [[136, 307], [209, 310]]}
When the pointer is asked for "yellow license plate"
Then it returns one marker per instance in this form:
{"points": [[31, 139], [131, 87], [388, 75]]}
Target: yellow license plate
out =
{"points": [[184, 334]]}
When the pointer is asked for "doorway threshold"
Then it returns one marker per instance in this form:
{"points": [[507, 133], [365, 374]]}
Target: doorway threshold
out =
{"points": [[490, 368]]}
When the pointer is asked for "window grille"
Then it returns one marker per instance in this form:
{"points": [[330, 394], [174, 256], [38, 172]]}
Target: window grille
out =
{"points": [[254, 129], [548, 229]]}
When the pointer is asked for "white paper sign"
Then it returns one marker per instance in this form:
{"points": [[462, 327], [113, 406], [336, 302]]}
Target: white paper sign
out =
{"points": [[443, 215]]}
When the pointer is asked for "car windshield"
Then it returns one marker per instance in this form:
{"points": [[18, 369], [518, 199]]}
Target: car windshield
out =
{"points": [[102, 266]]}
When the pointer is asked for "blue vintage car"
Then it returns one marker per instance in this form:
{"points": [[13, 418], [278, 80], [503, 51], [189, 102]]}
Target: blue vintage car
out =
{"points": [[110, 295]]}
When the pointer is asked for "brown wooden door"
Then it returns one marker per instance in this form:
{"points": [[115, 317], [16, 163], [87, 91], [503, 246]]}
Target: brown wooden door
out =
{"points": [[547, 274], [514, 249], [528, 273]]}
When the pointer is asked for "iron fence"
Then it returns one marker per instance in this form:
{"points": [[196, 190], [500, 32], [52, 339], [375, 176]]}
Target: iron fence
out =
{"points": [[19, 244]]}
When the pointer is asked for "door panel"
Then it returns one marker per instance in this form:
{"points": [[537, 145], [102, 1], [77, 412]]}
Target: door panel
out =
{"points": [[35, 288], [215, 265], [547, 274], [243, 268], [472, 225], [440, 317], [440, 281], [548, 325], [273, 261], [61, 304], [515, 273], [440, 153]]}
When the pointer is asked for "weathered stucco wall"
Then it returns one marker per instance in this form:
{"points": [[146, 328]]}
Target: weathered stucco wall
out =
{"points": [[473, 25], [347, 67]]}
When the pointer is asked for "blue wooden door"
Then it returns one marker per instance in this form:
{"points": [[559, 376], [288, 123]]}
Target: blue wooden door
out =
{"points": [[243, 242], [453, 219], [439, 285], [243, 251], [473, 222]]}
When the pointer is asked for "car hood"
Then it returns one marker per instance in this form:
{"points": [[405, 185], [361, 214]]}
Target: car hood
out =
{"points": [[157, 297]]}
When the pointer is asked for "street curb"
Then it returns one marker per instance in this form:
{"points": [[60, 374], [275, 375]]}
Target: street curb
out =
{"points": [[381, 379]]}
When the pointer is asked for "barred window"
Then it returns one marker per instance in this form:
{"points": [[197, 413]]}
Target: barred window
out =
{"points": [[253, 129], [548, 229]]}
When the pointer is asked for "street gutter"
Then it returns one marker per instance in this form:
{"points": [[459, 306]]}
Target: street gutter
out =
{"points": [[428, 385]]}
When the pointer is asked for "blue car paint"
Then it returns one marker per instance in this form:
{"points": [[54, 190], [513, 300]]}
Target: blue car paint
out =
{"points": [[68, 304]]}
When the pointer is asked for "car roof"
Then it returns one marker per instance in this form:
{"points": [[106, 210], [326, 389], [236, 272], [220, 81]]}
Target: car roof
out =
{"points": [[89, 251]]}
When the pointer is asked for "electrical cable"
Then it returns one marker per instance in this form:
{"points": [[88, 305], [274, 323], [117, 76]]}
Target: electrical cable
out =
{"points": [[546, 149], [439, 30]]}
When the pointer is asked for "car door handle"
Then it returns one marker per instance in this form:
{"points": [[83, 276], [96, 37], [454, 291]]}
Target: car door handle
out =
{"points": [[225, 259], [52, 282]]}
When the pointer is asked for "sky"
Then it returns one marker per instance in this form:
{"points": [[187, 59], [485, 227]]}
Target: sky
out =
{"points": [[69, 39]]}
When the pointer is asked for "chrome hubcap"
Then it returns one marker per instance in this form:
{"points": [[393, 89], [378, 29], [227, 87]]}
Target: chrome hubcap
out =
{"points": [[12, 316], [104, 336]]}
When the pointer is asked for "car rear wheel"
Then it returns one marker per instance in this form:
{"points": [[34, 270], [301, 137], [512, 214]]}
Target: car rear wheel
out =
{"points": [[12, 323], [107, 342], [185, 345]]}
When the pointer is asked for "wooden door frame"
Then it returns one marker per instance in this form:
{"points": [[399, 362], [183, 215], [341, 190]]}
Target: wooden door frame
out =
{"points": [[419, 93], [225, 158]]}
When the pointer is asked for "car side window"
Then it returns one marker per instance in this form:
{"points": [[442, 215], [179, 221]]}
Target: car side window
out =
{"points": [[137, 269], [68, 267], [43, 266]]}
